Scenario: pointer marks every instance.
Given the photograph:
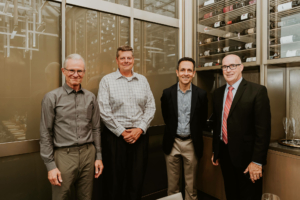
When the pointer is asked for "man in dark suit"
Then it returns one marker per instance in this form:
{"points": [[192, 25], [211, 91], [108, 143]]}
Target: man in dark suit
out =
{"points": [[241, 133], [184, 109]]}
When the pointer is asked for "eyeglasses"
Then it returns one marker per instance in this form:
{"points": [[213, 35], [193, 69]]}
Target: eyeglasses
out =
{"points": [[231, 66], [72, 71]]}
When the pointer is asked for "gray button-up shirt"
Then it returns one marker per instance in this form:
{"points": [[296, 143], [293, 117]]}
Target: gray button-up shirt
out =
{"points": [[184, 111], [125, 102], [69, 118]]}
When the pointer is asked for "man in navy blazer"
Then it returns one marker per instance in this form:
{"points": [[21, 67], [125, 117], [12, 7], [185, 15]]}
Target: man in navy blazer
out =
{"points": [[242, 132], [184, 109]]}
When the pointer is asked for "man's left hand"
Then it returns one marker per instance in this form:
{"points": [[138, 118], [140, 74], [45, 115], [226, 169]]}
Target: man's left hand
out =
{"points": [[255, 171], [98, 168], [135, 133]]}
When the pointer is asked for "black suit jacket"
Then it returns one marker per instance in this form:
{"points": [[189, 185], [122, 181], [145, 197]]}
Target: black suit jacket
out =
{"points": [[198, 117], [248, 124]]}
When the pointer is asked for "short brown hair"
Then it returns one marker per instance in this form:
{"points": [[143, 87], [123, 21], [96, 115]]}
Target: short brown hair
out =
{"points": [[124, 48]]}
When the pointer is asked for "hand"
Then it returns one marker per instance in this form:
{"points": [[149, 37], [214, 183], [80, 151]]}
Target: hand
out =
{"points": [[98, 168], [214, 163], [127, 136], [255, 171], [136, 132], [54, 176]]}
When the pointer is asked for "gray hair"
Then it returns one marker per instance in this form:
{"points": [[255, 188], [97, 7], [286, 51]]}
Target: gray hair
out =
{"points": [[73, 56]]}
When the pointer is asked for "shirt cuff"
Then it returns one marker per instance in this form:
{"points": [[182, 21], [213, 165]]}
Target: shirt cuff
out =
{"points": [[258, 163], [143, 126], [118, 131], [99, 156], [50, 166]]}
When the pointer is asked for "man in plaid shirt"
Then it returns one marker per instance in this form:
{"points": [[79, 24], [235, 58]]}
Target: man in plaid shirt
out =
{"points": [[127, 107]]}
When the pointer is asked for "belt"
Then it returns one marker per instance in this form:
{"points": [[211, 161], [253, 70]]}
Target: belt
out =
{"points": [[74, 148], [183, 138]]}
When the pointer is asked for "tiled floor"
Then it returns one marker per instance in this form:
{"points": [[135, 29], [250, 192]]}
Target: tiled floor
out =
{"points": [[163, 193]]}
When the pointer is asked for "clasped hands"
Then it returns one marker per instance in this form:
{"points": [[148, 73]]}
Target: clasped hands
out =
{"points": [[255, 170], [132, 135]]}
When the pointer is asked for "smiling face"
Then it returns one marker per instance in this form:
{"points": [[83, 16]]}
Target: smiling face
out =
{"points": [[185, 72], [232, 75], [74, 80], [125, 61]]}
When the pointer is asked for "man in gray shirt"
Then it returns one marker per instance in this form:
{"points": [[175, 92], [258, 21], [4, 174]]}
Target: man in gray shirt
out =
{"points": [[184, 109], [126, 107], [70, 134]]}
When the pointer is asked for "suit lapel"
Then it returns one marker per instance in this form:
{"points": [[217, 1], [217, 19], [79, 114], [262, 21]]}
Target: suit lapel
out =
{"points": [[194, 101], [238, 95], [219, 100], [174, 99]]}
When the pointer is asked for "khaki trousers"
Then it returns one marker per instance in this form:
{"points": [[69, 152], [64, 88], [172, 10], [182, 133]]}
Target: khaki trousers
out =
{"points": [[183, 150], [76, 165]]}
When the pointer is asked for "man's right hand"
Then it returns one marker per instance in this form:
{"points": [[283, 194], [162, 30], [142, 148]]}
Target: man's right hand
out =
{"points": [[54, 177], [128, 137], [214, 163]]}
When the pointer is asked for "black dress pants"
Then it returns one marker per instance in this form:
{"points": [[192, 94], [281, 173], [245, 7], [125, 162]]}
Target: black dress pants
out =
{"points": [[238, 186], [124, 166]]}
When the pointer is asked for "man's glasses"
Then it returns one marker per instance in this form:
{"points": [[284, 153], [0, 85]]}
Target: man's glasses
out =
{"points": [[72, 71], [232, 66]]}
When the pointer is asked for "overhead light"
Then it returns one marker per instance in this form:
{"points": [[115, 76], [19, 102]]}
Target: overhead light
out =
{"points": [[13, 34]]}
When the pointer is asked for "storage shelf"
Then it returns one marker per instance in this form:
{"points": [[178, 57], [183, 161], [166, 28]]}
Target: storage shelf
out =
{"points": [[218, 4], [218, 67], [231, 52], [278, 45], [238, 39], [230, 14]]}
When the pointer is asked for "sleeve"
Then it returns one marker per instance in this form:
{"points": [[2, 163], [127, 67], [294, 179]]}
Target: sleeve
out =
{"points": [[149, 110], [96, 129], [105, 109], [46, 131], [262, 122]]}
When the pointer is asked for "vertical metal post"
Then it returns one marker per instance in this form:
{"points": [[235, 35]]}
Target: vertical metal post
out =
{"points": [[188, 28], [180, 41], [26, 35], [15, 13], [8, 41], [63, 35]]}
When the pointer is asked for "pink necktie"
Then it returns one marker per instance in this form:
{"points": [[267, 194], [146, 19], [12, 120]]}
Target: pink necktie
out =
{"points": [[227, 106]]}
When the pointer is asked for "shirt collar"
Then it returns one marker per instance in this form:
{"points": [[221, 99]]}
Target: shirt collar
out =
{"points": [[119, 75], [178, 88], [235, 85], [69, 90]]}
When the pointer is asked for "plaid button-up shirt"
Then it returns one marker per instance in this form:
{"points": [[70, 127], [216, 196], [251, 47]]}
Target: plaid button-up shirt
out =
{"points": [[125, 102]]}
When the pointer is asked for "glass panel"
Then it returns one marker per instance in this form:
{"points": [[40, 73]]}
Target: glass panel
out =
{"points": [[29, 57], [284, 24], [96, 37], [163, 7], [33, 169], [294, 100], [122, 2], [226, 27], [156, 56]]}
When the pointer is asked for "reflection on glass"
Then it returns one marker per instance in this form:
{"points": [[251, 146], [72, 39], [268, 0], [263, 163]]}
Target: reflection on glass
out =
{"points": [[96, 37], [28, 33], [226, 27], [156, 56], [163, 7], [122, 2], [284, 37]]}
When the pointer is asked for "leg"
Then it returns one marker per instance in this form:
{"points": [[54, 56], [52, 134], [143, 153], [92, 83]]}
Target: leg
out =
{"points": [[67, 163], [114, 160], [190, 168], [249, 190], [174, 166], [230, 174], [137, 164], [84, 182]]}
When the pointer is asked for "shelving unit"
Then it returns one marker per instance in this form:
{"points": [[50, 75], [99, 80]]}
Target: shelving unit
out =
{"points": [[230, 34]]}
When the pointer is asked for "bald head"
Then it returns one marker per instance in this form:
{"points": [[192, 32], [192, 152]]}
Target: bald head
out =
{"points": [[232, 58]]}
